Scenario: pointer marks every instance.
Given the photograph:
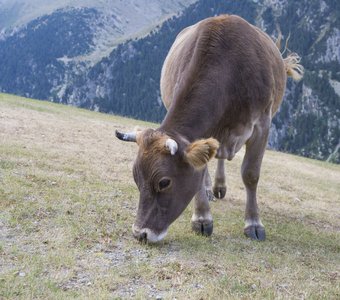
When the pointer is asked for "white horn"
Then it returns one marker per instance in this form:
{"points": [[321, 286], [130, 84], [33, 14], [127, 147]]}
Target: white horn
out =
{"points": [[128, 137], [172, 146]]}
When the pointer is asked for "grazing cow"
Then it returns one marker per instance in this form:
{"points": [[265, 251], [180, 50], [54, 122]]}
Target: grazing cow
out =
{"points": [[222, 82]]}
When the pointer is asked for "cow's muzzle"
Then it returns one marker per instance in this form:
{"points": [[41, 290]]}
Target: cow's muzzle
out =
{"points": [[145, 235]]}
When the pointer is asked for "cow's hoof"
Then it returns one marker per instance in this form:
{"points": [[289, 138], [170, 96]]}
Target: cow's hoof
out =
{"points": [[201, 228], [220, 191], [255, 232], [210, 195]]}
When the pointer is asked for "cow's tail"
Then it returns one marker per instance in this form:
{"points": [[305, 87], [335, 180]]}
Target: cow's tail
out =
{"points": [[293, 67], [292, 62]]}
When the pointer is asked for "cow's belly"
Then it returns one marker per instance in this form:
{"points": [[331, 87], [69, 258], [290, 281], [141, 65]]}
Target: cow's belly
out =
{"points": [[233, 139], [233, 143]]}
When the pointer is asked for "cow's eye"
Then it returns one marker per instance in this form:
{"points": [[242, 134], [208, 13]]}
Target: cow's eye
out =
{"points": [[164, 183]]}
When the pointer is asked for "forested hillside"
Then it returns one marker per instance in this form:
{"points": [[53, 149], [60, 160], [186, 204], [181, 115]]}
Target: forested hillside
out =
{"points": [[127, 81], [308, 122]]}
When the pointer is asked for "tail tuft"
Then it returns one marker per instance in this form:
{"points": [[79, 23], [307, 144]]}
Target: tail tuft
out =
{"points": [[293, 67]]}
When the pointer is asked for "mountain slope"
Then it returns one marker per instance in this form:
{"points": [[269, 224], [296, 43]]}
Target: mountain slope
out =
{"points": [[86, 68], [308, 122], [108, 22], [127, 82], [18, 13], [68, 199]]}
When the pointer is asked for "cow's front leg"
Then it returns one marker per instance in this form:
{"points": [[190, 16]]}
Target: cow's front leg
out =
{"points": [[251, 166], [220, 188], [208, 186], [201, 221]]}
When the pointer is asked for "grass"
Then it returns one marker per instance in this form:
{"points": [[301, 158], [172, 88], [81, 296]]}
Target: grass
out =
{"points": [[67, 202]]}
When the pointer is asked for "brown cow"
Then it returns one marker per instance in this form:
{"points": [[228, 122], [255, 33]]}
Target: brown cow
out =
{"points": [[222, 82]]}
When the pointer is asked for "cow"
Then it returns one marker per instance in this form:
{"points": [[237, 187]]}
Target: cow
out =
{"points": [[222, 82]]}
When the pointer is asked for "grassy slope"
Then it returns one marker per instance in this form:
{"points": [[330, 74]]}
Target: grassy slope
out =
{"points": [[67, 202]]}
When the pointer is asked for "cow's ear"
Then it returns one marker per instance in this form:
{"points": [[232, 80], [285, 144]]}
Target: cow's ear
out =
{"points": [[200, 152]]}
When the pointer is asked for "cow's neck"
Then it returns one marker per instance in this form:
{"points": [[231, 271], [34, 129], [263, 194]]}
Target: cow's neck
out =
{"points": [[192, 123]]}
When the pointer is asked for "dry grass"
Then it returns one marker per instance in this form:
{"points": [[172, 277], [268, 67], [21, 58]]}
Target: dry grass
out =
{"points": [[67, 202]]}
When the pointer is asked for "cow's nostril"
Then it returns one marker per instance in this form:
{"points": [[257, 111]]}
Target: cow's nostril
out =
{"points": [[143, 237]]}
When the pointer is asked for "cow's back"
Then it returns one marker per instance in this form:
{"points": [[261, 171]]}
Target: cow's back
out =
{"points": [[176, 64], [226, 53]]}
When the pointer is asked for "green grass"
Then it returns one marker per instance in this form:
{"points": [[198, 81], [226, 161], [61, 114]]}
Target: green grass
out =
{"points": [[68, 200]]}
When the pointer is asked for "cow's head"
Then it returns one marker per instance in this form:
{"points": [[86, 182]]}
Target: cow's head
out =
{"points": [[168, 173]]}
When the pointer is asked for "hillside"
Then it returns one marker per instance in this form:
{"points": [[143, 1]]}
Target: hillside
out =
{"points": [[107, 56], [80, 32], [17, 13], [308, 122], [68, 201]]}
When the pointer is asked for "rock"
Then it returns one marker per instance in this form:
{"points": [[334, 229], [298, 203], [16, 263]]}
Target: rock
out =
{"points": [[22, 274]]}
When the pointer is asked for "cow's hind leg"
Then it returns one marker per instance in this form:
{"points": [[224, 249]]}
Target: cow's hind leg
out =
{"points": [[251, 166], [220, 188], [201, 221]]}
